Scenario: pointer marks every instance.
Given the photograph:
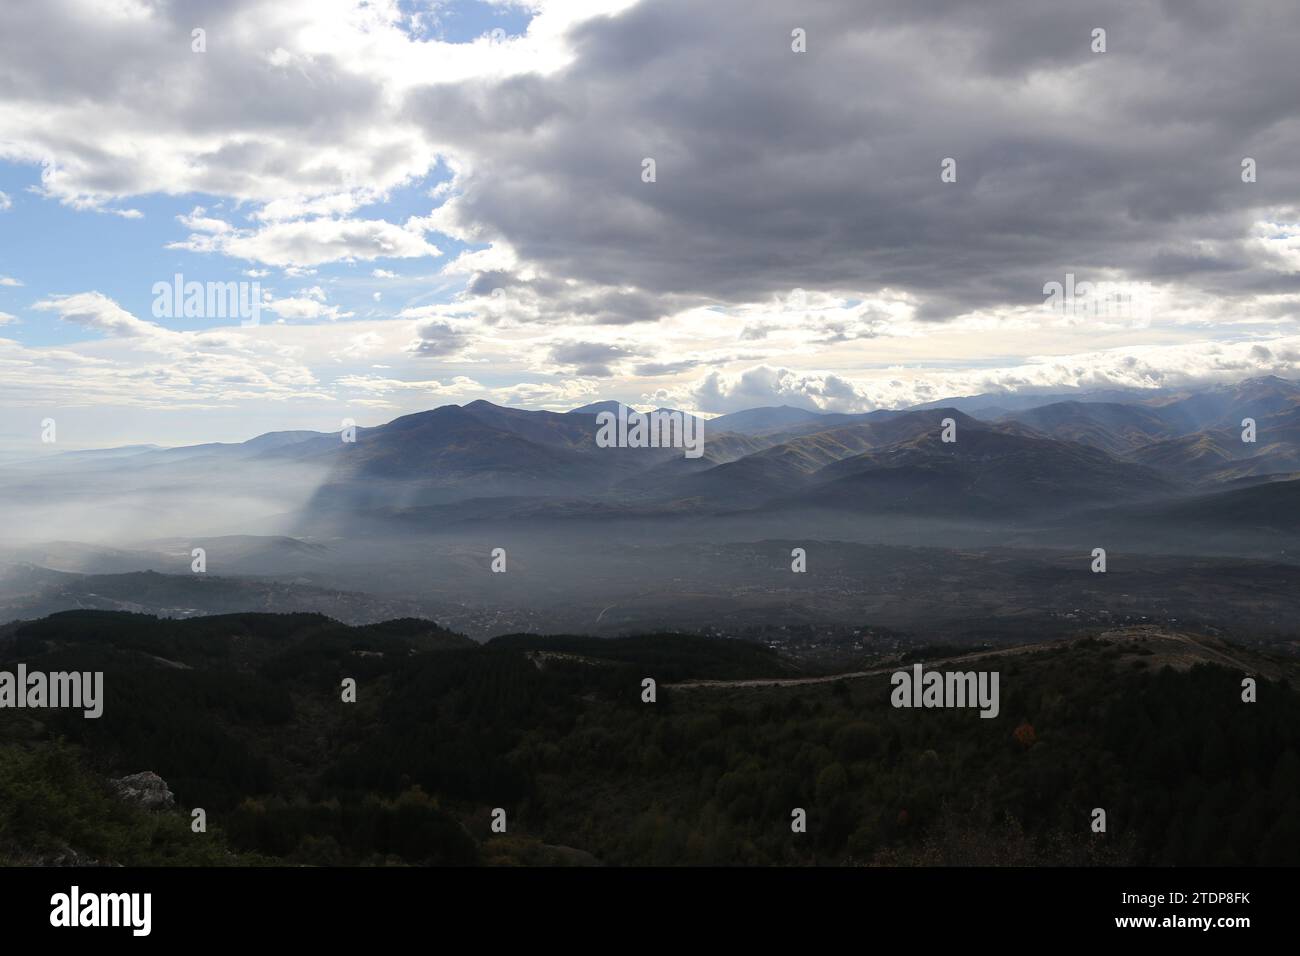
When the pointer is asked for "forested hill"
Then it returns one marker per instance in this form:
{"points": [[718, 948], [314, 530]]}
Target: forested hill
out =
{"points": [[243, 716]]}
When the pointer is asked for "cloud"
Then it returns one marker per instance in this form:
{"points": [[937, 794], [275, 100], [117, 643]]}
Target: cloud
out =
{"points": [[822, 169], [5, 201], [359, 346], [1147, 367], [308, 304], [144, 365], [94, 310], [437, 338], [459, 385], [198, 221], [9, 281], [526, 296], [296, 104], [776, 171], [651, 369], [309, 111], [593, 359], [313, 242], [768, 386]]}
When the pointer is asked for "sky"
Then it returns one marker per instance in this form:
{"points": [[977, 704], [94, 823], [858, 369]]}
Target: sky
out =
{"points": [[833, 204]]}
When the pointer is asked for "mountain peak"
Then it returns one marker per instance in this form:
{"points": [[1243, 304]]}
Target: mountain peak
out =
{"points": [[1272, 381], [595, 408]]}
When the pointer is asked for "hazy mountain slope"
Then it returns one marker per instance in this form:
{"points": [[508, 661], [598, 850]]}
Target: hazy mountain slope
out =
{"points": [[1219, 455], [1044, 459], [1112, 427], [484, 450], [992, 405], [1272, 506], [1192, 455], [1224, 406], [984, 473], [828, 421], [753, 421], [452, 452], [782, 468]]}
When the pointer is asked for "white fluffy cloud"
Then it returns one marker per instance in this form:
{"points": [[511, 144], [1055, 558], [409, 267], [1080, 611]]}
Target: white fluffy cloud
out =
{"points": [[309, 242], [96, 311]]}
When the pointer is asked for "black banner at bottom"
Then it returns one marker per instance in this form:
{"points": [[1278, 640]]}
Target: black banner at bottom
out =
{"points": [[335, 906]]}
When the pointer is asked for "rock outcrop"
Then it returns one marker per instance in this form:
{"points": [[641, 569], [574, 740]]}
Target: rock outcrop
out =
{"points": [[145, 789]]}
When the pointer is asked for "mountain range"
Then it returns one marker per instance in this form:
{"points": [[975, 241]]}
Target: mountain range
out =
{"points": [[1042, 460], [1053, 456], [402, 520]]}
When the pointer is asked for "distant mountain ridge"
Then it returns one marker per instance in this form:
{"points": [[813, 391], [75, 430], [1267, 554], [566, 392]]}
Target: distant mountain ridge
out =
{"points": [[1013, 455]]}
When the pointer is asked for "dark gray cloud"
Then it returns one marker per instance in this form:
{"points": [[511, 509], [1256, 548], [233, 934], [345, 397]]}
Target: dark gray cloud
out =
{"points": [[435, 338], [589, 358], [549, 299], [650, 369], [820, 170]]}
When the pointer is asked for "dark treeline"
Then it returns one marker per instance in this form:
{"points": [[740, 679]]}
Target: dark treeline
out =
{"points": [[242, 716]]}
